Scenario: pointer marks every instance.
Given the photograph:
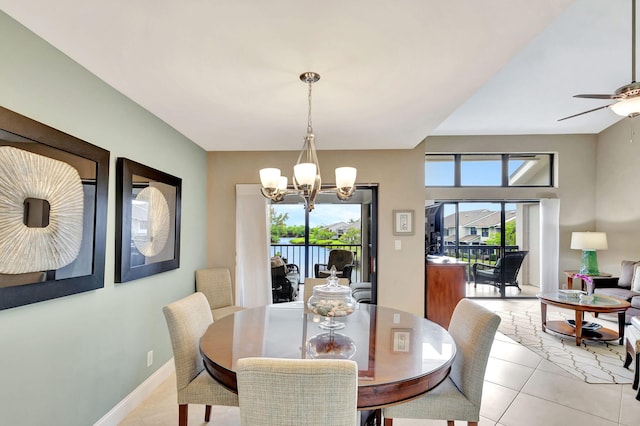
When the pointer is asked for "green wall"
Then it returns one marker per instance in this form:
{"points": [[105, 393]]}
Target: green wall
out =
{"points": [[68, 361]]}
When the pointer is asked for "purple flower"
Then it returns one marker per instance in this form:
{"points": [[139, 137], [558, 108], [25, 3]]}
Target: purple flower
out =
{"points": [[584, 277]]}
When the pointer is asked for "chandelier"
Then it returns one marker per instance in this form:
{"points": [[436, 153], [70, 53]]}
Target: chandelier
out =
{"points": [[307, 182]]}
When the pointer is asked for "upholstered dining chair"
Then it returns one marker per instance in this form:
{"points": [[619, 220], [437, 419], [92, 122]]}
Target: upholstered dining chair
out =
{"points": [[310, 283], [215, 284], [311, 392], [473, 328], [188, 319]]}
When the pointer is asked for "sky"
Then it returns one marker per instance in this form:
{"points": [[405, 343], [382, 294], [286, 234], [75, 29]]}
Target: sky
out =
{"points": [[323, 214], [473, 173]]}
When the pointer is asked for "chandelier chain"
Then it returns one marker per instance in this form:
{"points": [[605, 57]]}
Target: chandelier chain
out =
{"points": [[309, 123]]}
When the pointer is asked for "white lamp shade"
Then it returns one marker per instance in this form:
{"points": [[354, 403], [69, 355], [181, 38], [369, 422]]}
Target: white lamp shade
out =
{"points": [[270, 177], [589, 241], [282, 184], [305, 173], [626, 107], [345, 177]]}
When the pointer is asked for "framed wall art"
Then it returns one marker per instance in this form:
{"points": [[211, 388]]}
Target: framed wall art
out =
{"points": [[147, 221], [403, 222], [53, 212]]}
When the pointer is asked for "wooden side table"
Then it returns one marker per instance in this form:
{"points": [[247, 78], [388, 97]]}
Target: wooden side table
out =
{"points": [[601, 304], [571, 274]]}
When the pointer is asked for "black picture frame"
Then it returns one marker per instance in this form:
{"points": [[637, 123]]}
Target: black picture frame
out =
{"points": [[92, 163], [131, 261]]}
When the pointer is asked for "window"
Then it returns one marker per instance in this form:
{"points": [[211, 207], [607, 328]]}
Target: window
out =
{"points": [[485, 232], [488, 170], [481, 170], [440, 170], [473, 230]]}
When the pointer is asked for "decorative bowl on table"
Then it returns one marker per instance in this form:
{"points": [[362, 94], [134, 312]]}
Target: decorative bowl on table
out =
{"points": [[570, 294], [331, 301]]}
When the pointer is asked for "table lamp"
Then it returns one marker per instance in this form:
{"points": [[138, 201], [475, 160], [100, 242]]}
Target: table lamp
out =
{"points": [[589, 242]]}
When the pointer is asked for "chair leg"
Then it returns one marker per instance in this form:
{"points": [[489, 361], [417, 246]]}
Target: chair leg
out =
{"points": [[207, 413], [627, 360], [636, 376], [183, 414], [472, 423], [388, 422], [450, 423]]}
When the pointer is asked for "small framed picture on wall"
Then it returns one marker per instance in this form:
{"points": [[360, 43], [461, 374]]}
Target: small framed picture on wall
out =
{"points": [[403, 222]]}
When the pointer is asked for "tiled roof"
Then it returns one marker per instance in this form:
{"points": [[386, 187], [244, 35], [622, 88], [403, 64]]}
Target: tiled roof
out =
{"points": [[479, 218]]}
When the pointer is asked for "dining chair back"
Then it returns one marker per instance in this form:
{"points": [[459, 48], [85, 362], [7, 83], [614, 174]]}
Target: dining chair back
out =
{"points": [[215, 284], [187, 320], [473, 328], [311, 392]]}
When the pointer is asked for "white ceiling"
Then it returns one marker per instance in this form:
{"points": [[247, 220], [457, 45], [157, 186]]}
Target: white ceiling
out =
{"points": [[225, 73]]}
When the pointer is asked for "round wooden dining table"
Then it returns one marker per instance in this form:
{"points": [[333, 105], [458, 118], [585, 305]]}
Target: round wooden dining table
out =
{"points": [[399, 355]]}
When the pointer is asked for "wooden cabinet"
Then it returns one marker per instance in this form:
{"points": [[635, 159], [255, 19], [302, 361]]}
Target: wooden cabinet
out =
{"points": [[445, 287]]}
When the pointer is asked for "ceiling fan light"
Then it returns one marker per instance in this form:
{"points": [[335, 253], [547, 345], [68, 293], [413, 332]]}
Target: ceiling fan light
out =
{"points": [[629, 107]]}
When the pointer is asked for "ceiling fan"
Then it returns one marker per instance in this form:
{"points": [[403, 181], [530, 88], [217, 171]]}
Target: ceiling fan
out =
{"points": [[627, 97]]}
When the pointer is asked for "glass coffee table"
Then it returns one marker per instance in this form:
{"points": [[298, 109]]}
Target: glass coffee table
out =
{"points": [[600, 304]]}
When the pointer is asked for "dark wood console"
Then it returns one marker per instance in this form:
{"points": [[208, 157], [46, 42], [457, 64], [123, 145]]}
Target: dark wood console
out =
{"points": [[445, 287]]}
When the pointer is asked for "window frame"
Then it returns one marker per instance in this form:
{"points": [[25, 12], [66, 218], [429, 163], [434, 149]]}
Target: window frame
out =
{"points": [[505, 158]]}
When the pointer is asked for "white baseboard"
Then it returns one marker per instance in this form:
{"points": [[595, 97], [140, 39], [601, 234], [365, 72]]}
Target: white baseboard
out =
{"points": [[139, 394]]}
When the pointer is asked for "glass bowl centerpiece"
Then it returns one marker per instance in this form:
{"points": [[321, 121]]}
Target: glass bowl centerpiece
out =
{"points": [[331, 301]]}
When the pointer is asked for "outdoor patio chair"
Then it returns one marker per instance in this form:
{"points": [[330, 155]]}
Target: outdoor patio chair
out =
{"points": [[343, 260], [484, 273]]}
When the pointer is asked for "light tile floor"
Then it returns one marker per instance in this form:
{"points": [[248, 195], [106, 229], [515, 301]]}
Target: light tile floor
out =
{"points": [[521, 389]]}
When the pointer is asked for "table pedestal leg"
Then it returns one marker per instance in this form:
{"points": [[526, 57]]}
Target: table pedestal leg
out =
{"points": [[579, 316], [543, 315]]}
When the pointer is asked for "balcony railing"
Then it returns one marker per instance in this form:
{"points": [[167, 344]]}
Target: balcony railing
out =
{"points": [[296, 253], [476, 253]]}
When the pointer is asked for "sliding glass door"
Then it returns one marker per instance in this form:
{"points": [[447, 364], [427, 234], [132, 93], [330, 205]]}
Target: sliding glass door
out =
{"points": [[499, 240], [305, 239]]}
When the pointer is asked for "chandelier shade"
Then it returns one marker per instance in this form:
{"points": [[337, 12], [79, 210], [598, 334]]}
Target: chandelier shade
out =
{"points": [[307, 182]]}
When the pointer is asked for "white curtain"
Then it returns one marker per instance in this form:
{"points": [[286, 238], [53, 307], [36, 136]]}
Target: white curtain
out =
{"points": [[253, 270], [549, 244]]}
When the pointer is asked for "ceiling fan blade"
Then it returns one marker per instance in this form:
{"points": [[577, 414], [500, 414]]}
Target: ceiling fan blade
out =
{"points": [[588, 96], [585, 112]]}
